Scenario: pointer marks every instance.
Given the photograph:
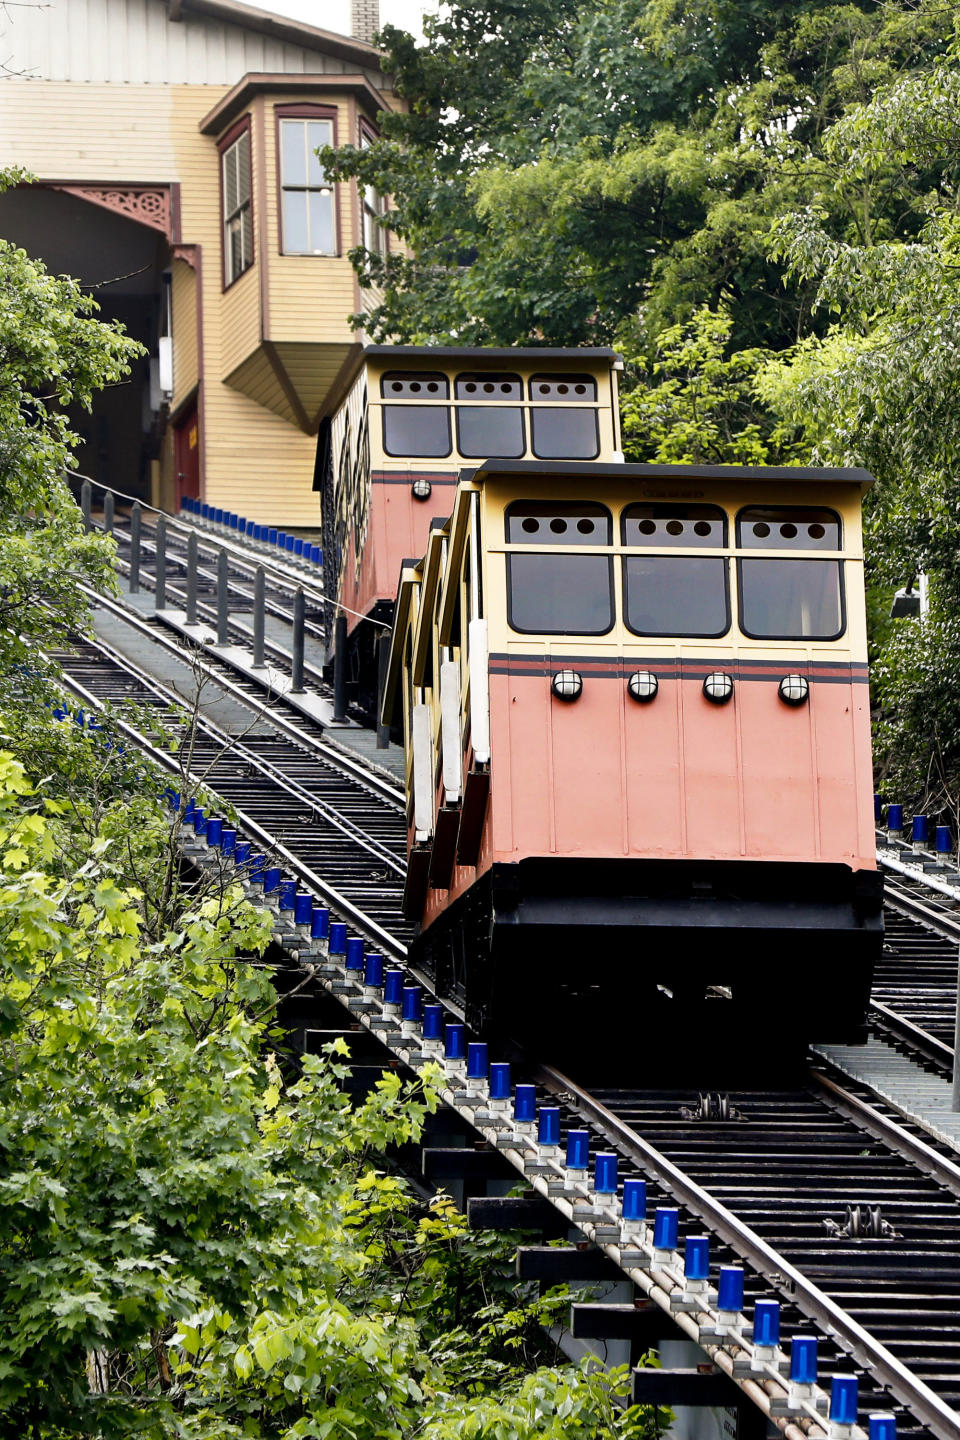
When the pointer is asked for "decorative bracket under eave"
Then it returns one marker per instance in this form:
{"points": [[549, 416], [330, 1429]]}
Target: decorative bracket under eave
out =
{"points": [[146, 204]]}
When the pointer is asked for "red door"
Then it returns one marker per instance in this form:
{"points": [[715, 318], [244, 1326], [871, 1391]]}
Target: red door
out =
{"points": [[186, 452]]}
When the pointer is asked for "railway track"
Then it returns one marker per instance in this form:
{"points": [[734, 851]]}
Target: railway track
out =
{"points": [[338, 830], [826, 1197]]}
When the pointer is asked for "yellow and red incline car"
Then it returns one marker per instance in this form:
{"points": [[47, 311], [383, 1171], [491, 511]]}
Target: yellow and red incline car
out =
{"points": [[636, 712]]}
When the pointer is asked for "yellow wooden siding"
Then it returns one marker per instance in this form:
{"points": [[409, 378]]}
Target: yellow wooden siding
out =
{"points": [[309, 296], [254, 461], [240, 319], [186, 366], [311, 370], [258, 378], [96, 132]]}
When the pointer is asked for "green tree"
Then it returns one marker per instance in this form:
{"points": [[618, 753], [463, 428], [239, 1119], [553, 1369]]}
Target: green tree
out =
{"points": [[698, 401], [199, 1238], [880, 389], [559, 172]]}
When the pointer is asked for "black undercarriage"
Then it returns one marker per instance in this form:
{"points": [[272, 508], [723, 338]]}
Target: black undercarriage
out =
{"points": [[650, 958]]}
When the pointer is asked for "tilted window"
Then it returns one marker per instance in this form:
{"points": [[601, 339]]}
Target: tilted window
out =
{"points": [[374, 208], [307, 200], [558, 430], [682, 595], [237, 208], [559, 593], [412, 427], [782, 598], [490, 426]]}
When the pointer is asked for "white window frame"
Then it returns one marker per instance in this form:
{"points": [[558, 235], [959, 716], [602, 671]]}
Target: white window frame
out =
{"points": [[325, 188]]}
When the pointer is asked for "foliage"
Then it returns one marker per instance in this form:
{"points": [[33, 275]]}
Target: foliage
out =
{"points": [[879, 389], [563, 167], [200, 1239], [697, 400], [53, 353]]}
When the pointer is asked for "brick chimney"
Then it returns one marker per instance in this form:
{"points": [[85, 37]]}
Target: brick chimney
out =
{"points": [[364, 19]]}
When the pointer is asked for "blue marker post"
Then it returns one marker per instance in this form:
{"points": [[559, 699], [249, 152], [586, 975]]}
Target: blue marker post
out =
{"points": [[477, 1066], [766, 1333], [455, 1047], [633, 1213]]}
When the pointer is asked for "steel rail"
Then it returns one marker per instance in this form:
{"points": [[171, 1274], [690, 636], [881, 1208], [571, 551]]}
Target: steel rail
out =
{"points": [[235, 747], [915, 1036], [909, 905], [923, 1156], [923, 1403], [271, 707], [335, 898]]}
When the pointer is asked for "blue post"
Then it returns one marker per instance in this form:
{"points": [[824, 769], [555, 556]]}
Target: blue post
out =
{"points": [[843, 1399]]}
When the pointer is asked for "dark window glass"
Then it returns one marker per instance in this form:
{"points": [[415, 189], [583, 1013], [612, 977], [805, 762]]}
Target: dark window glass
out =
{"points": [[776, 527], [575, 522], [682, 596], [560, 594], [489, 428], [791, 599], [411, 429], [689, 526], [558, 433]]}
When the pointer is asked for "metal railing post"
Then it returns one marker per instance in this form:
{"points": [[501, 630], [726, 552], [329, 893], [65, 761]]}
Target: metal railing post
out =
{"points": [[383, 656], [296, 667], [135, 548], [223, 561], [191, 616], [86, 503], [108, 511], [160, 589], [259, 606], [340, 669], [955, 1093]]}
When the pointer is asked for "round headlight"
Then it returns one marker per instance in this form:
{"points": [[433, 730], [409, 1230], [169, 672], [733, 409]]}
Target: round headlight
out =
{"points": [[567, 685], [718, 687], [421, 489], [643, 685], [794, 689]]}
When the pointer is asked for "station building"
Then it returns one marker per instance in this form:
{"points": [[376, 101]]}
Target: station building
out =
{"points": [[173, 145]]}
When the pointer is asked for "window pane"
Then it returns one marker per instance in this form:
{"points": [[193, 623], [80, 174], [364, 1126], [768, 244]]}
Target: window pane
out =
{"points": [[295, 222], [483, 432], [686, 595], [229, 182], [558, 522], [293, 152], [372, 234], [776, 527], [791, 599], [562, 388], [496, 388], [242, 148], [682, 525], [246, 235], [319, 133], [565, 434], [416, 430], [234, 249], [321, 222], [419, 385], [560, 594]]}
